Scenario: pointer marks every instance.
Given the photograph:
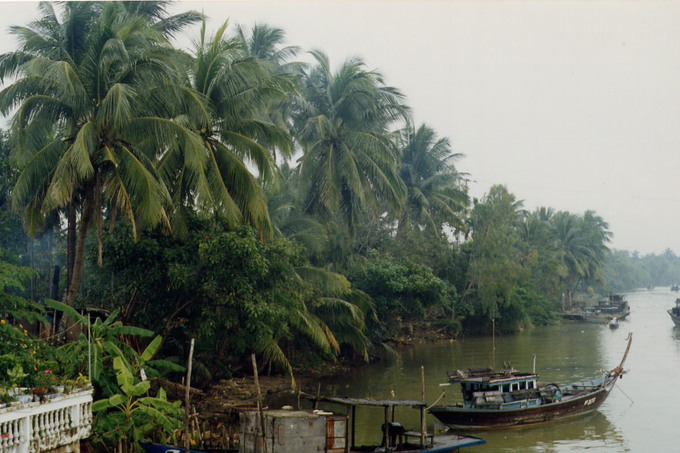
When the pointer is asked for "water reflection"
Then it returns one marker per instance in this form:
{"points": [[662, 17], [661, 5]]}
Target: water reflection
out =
{"points": [[640, 414], [593, 432]]}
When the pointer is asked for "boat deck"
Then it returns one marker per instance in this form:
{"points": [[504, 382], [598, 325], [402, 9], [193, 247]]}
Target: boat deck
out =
{"points": [[439, 444]]}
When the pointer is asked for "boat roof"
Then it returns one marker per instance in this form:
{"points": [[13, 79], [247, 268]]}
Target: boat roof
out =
{"points": [[489, 375], [372, 402]]}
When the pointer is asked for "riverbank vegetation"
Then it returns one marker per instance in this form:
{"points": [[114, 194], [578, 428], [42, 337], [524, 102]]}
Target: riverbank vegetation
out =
{"points": [[259, 201]]}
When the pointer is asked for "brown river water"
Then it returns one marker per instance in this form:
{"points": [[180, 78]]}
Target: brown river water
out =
{"points": [[642, 413]]}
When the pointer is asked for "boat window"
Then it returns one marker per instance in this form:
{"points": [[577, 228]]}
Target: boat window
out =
{"points": [[506, 388], [514, 386], [530, 384], [522, 385]]}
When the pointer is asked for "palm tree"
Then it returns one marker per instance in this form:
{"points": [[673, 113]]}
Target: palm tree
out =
{"points": [[266, 44], [94, 90], [435, 193], [334, 313], [583, 243], [234, 89], [349, 163]]}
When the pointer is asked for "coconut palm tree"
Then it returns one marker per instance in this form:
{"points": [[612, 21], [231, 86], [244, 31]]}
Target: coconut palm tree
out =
{"points": [[583, 243], [436, 195], [267, 45], [333, 313], [349, 163], [235, 90], [93, 93]]}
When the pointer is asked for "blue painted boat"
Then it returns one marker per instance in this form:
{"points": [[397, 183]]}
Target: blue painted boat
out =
{"points": [[151, 447]]}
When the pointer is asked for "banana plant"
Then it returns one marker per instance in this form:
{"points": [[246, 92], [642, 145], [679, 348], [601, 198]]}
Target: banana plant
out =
{"points": [[105, 345], [130, 415]]}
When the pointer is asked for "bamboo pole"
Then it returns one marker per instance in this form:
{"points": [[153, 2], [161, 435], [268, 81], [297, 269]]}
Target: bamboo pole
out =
{"points": [[187, 400], [259, 404]]}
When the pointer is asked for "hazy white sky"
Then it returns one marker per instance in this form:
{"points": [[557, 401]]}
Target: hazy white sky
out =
{"points": [[571, 104]]}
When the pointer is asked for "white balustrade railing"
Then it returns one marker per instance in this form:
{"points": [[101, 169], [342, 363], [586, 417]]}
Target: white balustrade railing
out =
{"points": [[47, 425]]}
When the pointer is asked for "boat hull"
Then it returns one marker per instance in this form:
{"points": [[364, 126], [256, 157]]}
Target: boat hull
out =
{"points": [[450, 443], [456, 417], [599, 318], [675, 318]]}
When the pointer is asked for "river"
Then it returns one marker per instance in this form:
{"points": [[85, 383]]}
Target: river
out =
{"points": [[640, 414]]}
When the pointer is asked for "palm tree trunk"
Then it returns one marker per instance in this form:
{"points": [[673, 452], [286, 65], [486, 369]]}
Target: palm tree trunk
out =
{"points": [[402, 227], [70, 243], [79, 256]]}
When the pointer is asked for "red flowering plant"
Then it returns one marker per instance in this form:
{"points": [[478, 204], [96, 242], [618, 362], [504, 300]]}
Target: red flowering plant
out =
{"points": [[45, 379]]}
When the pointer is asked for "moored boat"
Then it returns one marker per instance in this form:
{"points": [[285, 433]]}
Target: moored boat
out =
{"points": [[675, 312], [505, 398], [614, 323], [152, 447], [615, 306]]}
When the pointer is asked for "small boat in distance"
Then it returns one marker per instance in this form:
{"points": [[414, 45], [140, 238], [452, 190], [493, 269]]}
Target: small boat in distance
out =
{"points": [[675, 312], [506, 398], [614, 306], [675, 288], [614, 323]]}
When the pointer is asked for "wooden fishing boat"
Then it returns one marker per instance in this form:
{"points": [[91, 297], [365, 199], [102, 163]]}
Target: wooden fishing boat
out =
{"points": [[675, 312], [615, 306], [500, 399]]}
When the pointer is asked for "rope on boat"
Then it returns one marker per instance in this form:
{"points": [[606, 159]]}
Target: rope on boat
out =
{"points": [[436, 401], [624, 393]]}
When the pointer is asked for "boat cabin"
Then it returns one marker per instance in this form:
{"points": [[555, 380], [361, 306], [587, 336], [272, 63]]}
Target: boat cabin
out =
{"points": [[507, 389]]}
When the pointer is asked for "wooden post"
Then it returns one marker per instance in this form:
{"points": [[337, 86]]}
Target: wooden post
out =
{"points": [[387, 427], [187, 400], [423, 425], [318, 396], [259, 404], [354, 413], [299, 390]]}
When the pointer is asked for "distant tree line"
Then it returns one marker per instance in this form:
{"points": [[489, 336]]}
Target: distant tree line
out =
{"points": [[625, 270], [258, 204]]}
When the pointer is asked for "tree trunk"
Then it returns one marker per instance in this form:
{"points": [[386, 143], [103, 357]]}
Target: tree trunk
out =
{"points": [[402, 227], [70, 244], [79, 256]]}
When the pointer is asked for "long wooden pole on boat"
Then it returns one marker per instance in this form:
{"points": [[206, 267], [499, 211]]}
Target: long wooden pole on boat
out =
{"points": [[423, 425], [625, 354], [259, 404], [187, 400]]}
